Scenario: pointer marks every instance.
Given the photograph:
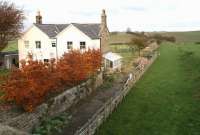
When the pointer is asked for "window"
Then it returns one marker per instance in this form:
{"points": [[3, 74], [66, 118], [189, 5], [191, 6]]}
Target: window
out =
{"points": [[46, 60], [26, 44], [69, 45], [82, 45], [53, 44], [38, 44]]}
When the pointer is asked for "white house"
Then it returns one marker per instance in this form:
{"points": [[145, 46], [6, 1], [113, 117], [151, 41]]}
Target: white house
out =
{"points": [[46, 41]]}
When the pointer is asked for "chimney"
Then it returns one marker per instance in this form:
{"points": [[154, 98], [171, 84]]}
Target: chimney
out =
{"points": [[104, 33], [38, 18], [103, 18]]}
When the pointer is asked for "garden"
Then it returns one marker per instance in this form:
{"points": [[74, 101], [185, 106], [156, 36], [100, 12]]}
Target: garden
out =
{"points": [[166, 100]]}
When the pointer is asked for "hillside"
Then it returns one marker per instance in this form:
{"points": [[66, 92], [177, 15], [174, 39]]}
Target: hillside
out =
{"points": [[190, 36], [121, 37]]}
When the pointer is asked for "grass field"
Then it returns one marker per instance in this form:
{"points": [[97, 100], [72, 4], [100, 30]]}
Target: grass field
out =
{"points": [[190, 36], [121, 37], [12, 46], [187, 37], [166, 101]]}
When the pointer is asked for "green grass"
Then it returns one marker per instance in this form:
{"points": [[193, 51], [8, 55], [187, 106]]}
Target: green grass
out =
{"points": [[182, 37], [121, 37], [12, 46], [127, 53], [165, 101]]}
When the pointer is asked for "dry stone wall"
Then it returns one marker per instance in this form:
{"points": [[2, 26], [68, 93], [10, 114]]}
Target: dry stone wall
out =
{"points": [[25, 121]]}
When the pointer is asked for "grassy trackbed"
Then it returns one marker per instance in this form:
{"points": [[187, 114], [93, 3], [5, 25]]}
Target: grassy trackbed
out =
{"points": [[166, 101]]}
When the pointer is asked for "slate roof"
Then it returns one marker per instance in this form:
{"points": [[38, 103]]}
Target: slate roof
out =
{"points": [[91, 30], [51, 29]]}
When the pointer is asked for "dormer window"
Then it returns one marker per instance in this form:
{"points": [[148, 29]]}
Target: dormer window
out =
{"points": [[38, 44], [82, 45]]}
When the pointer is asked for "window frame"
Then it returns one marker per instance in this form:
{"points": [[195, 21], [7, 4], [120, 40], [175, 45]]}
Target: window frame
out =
{"points": [[26, 44], [69, 45], [46, 60], [82, 43], [38, 46], [53, 44]]}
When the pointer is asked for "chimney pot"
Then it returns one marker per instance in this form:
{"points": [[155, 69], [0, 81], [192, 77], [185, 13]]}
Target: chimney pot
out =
{"points": [[38, 18]]}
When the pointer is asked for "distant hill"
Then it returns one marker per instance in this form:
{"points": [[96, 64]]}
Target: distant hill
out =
{"points": [[190, 36], [123, 37]]}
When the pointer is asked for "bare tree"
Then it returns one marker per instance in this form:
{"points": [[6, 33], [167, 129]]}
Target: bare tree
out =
{"points": [[11, 22], [140, 42], [128, 30]]}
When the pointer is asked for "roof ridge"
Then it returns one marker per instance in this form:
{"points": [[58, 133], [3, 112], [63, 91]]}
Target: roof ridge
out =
{"points": [[57, 29], [52, 24], [85, 23], [52, 30], [67, 23]]}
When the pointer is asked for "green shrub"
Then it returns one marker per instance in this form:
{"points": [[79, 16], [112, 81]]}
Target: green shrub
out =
{"points": [[51, 126], [108, 82]]}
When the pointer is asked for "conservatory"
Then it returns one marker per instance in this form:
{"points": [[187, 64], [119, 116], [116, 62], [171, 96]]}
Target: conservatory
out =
{"points": [[112, 61]]}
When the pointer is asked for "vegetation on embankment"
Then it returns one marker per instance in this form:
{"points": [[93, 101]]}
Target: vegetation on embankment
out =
{"points": [[3, 72], [166, 101]]}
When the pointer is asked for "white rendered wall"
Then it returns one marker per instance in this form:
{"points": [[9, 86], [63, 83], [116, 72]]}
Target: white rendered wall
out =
{"points": [[74, 35], [71, 33], [32, 35]]}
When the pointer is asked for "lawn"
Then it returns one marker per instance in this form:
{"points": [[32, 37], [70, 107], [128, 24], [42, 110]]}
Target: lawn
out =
{"points": [[166, 101]]}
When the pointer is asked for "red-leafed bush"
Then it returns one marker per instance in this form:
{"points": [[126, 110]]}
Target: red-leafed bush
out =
{"points": [[30, 85], [75, 67]]}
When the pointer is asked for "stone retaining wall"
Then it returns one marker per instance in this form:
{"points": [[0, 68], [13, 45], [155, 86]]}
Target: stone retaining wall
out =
{"points": [[7, 130], [27, 121]]}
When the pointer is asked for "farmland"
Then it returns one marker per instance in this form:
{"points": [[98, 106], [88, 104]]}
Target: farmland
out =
{"points": [[184, 37]]}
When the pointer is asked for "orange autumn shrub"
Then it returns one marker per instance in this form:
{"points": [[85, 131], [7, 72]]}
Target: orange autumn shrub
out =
{"points": [[34, 81], [75, 66], [29, 85]]}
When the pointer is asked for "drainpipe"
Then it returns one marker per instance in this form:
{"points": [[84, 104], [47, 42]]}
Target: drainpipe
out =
{"points": [[56, 50]]}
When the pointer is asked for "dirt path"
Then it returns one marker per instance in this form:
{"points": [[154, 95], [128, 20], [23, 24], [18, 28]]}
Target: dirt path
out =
{"points": [[86, 108]]}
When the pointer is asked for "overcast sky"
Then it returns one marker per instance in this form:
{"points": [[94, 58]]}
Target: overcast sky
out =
{"points": [[139, 15]]}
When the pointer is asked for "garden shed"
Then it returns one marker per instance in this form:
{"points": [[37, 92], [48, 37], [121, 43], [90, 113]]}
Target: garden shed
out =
{"points": [[112, 61]]}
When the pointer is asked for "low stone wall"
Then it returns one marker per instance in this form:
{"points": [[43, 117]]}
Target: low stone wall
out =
{"points": [[27, 121], [7, 130], [102, 113]]}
